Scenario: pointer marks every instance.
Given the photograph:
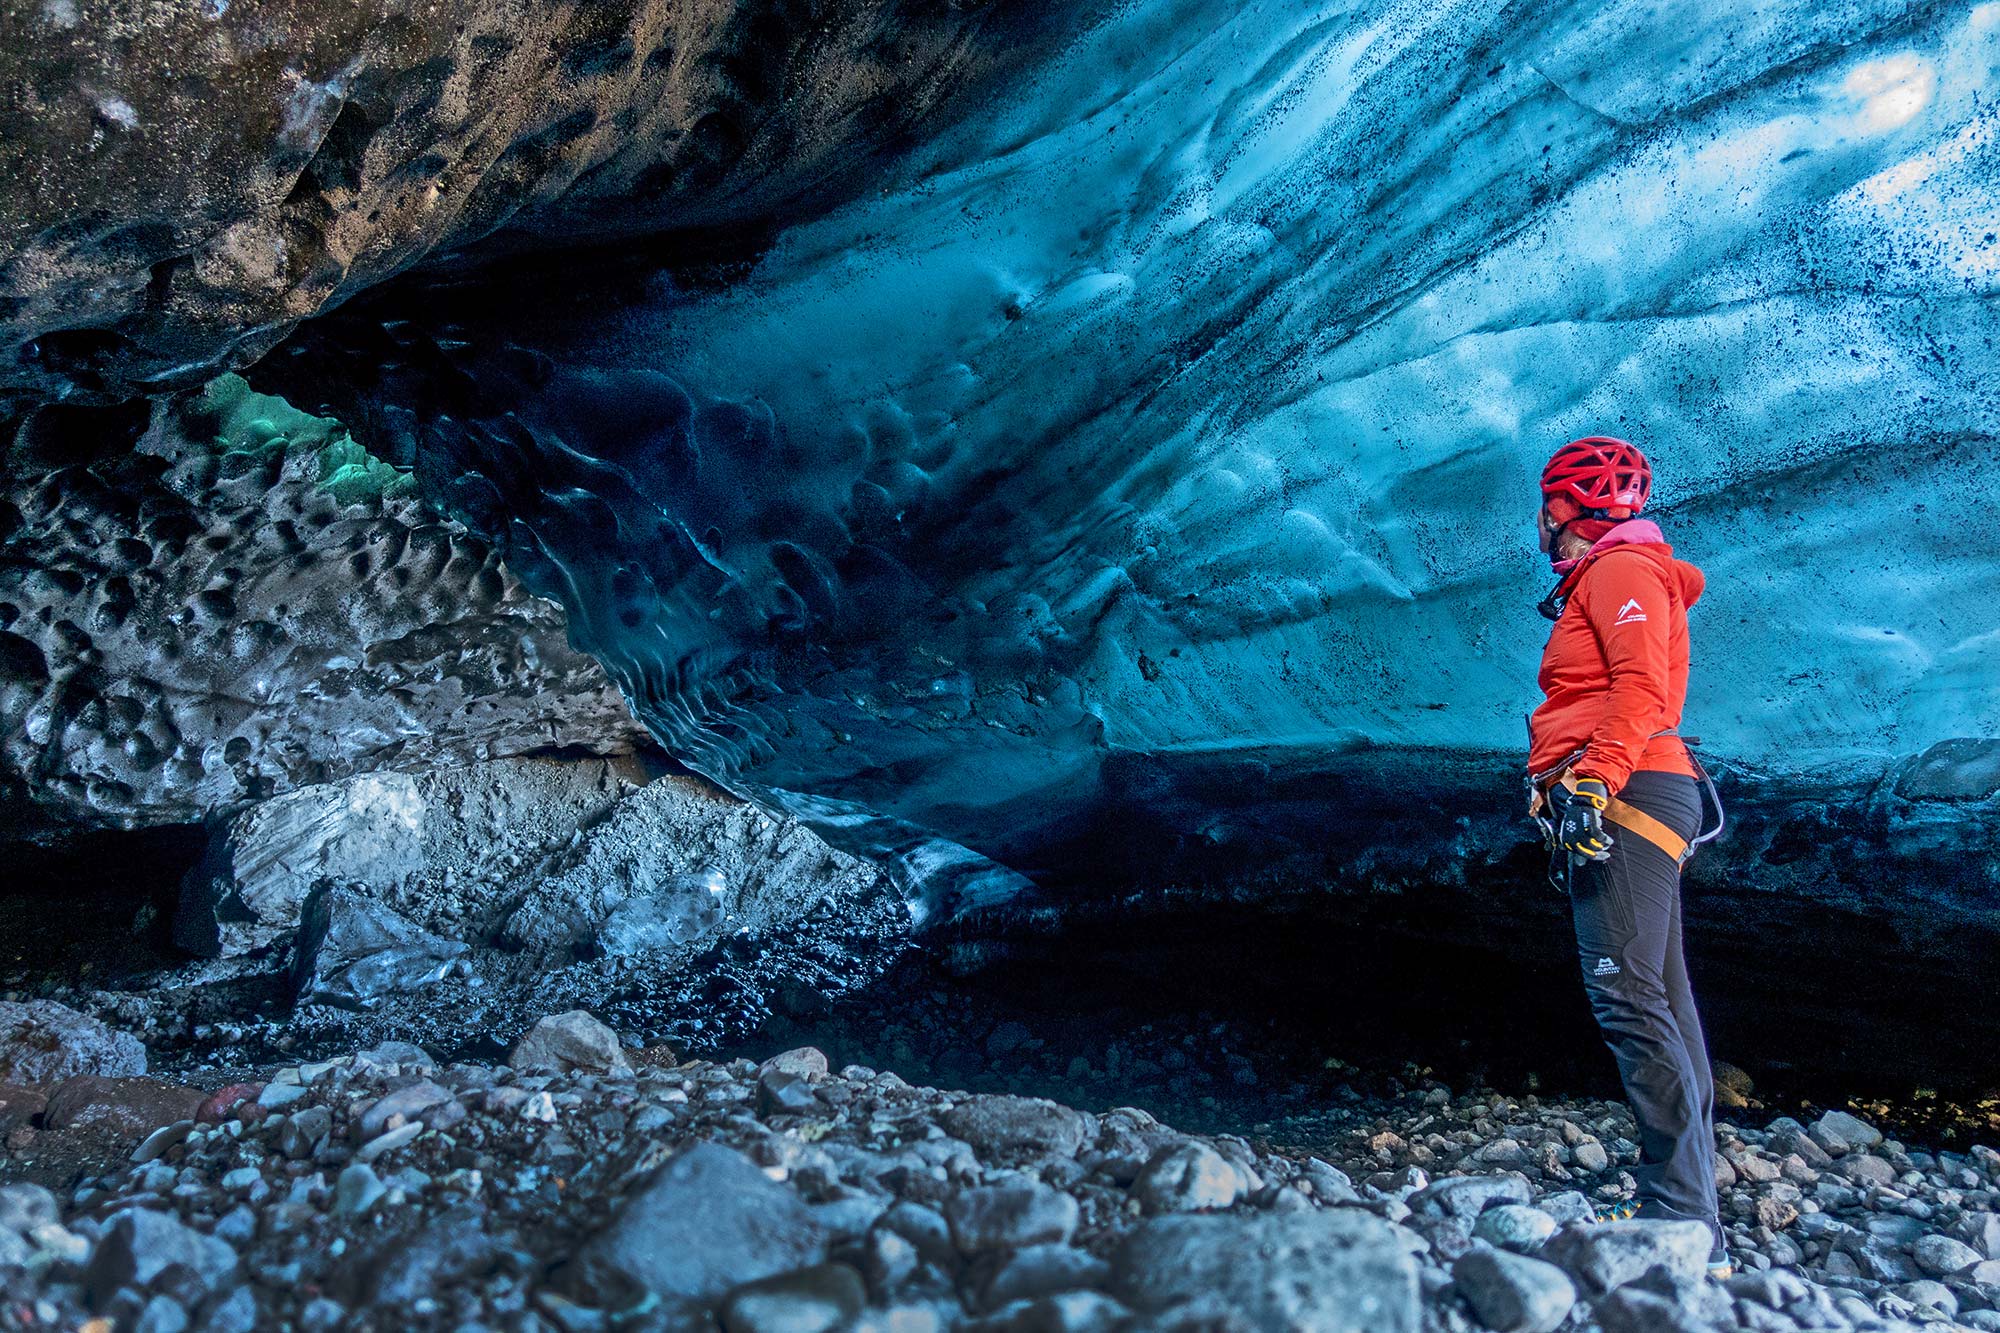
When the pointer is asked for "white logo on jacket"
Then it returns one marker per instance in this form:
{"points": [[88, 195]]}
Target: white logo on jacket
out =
{"points": [[1630, 612]]}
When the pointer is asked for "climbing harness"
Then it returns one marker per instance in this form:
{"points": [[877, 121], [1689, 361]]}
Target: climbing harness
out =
{"points": [[1620, 813]]}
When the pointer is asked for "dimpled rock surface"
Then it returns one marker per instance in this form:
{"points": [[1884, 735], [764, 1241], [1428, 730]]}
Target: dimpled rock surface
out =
{"points": [[228, 600]]}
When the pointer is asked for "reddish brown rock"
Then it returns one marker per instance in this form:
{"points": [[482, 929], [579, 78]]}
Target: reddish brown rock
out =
{"points": [[123, 1108]]}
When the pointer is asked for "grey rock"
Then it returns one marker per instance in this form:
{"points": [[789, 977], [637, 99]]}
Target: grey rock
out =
{"points": [[1000, 1217], [234, 1313], [782, 1093], [1188, 1177], [805, 1300], [1929, 1295], [452, 1248], [357, 1189], [1336, 1270], [1009, 1127], [1941, 1256], [705, 1222], [304, 1131], [1468, 1196], [570, 1041], [806, 1062], [1514, 1226], [163, 1314], [1611, 1254], [138, 1244], [1590, 1157], [383, 1144], [1567, 1207], [354, 951], [1513, 1293], [25, 1206], [1633, 1310], [42, 1042], [1839, 1132], [1043, 1270], [408, 1103]]}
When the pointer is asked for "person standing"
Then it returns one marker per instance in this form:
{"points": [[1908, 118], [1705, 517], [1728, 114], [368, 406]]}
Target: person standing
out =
{"points": [[1619, 791]]}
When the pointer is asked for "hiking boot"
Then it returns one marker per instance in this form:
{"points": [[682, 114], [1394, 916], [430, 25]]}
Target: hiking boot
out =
{"points": [[1622, 1211]]}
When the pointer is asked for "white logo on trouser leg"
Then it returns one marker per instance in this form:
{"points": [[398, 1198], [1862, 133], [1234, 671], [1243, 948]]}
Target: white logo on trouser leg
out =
{"points": [[1605, 968]]}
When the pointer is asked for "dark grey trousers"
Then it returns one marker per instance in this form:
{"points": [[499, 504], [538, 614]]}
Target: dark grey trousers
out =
{"points": [[1628, 937]]}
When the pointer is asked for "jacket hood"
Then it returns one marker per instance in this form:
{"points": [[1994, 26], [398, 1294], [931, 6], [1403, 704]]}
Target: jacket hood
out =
{"points": [[1642, 537]]}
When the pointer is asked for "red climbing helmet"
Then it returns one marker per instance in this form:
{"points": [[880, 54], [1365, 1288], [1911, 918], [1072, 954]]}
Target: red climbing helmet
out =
{"points": [[1600, 472]]}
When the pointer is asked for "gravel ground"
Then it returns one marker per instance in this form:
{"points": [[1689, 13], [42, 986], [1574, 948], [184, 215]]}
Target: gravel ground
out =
{"points": [[588, 1185]]}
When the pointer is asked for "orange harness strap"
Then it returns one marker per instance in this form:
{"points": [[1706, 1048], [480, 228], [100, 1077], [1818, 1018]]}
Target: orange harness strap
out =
{"points": [[1634, 820]]}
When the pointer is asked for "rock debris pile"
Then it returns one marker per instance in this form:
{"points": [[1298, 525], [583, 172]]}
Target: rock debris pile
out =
{"points": [[587, 1185]]}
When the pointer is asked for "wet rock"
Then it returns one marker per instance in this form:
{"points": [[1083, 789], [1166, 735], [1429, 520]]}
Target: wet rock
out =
{"points": [[806, 1300], [705, 1222], [1005, 1217], [1187, 1178], [353, 951], [1008, 1127], [1610, 1254], [1469, 1196], [780, 1093], [123, 1108], [140, 1244], [1341, 1270], [1513, 1293], [570, 1041], [42, 1042]]}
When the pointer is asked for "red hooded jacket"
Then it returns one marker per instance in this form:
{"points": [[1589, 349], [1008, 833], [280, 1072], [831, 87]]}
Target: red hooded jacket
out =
{"points": [[1616, 667]]}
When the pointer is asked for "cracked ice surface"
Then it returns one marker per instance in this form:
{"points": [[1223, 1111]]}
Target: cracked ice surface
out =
{"points": [[1191, 395]]}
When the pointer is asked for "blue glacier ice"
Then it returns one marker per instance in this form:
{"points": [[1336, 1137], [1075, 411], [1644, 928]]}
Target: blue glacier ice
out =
{"points": [[1187, 401]]}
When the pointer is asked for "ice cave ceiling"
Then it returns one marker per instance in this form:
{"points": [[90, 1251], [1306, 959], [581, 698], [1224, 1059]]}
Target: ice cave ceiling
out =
{"points": [[1159, 397]]}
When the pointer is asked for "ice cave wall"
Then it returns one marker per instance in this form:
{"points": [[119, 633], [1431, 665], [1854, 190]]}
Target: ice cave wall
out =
{"points": [[1146, 452], [1186, 400]]}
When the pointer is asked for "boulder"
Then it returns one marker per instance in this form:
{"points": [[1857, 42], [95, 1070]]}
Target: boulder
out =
{"points": [[706, 1222], [1839, 1132], [570, 1041], [1189, 1177], [805, 1300], [1512, 1293], [42, 1042], [126, 1109], [139, 1244], [1009, 1127], [1610, 1254], [1340, 1270], [1009, 1217]]}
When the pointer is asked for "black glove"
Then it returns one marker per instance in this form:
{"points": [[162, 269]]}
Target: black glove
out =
{"points": [[1580, 829]]}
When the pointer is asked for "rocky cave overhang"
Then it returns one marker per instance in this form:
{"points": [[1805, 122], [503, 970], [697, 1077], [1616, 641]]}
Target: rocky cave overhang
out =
{"points": [[1053, 454]]}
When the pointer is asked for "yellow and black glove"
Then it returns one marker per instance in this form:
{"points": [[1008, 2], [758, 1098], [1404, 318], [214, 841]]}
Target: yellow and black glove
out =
{"points": [[1580, 830]]}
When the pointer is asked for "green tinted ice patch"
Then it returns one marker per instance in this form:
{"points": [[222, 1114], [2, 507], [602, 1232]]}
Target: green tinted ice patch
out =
{"points": [[246, 421]]}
